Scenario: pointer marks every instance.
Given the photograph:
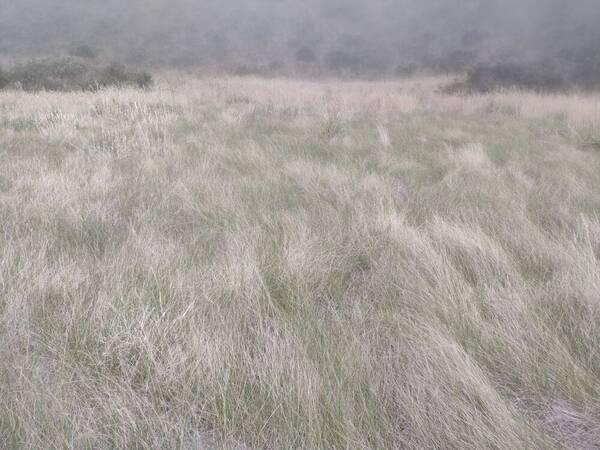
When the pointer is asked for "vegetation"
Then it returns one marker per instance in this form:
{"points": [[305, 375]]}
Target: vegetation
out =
{"points": [[306, 55], [4, 80], [69, 74], [240, 263], [118, 75], [350, 37], [484, 79], [84, 51]]}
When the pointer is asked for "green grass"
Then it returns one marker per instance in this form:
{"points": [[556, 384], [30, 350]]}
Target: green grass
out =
{"points": [[180, 270]]}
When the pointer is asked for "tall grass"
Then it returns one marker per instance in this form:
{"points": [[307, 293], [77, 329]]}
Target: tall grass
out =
{"points": [[276, 264]]}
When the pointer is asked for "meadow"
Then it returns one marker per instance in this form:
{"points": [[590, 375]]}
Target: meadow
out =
{"points": [[249, 263]]}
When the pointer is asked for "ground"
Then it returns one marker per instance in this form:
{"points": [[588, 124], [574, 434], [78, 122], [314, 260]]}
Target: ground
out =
{"points": [[247, 263]]}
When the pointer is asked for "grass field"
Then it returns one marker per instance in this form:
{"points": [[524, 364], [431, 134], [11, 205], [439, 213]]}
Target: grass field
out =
{"points": [[246, 263]]}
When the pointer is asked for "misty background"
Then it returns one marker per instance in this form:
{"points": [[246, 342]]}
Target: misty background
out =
{"points": [[342, 36]]}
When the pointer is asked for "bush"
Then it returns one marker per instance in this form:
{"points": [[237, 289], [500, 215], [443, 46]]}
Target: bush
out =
{"points": [[406, 69], [143, 80], [342, 61], [69, 74], [84, 51], [137, 55], [51, 74], [117, 75], [537, 77], [306, 55], [4, 81], [456, 61], [276, 67], [245, 70], [114, 75], [588, 73]]}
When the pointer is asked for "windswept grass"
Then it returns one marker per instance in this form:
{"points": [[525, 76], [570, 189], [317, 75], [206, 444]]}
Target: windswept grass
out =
{"points": [[276, 264]]}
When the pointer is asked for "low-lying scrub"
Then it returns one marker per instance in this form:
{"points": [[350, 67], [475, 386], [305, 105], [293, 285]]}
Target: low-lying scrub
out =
{"points": [[3, 79], [70, 74], [489, 78]]}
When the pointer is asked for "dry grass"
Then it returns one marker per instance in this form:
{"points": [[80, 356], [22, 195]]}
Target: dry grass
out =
{"points": [[249, 263]]}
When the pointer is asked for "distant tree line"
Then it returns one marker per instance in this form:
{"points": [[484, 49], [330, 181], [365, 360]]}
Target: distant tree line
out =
{"points": [[315, 37]]}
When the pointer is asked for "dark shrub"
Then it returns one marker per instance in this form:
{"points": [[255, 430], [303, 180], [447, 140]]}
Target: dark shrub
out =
{"points": [[137, 55], [372, 62], [244, 70], [276, 66], [406, 69], [456, 61], [306, 55], [68, 74], [255, 70], [538, 77], [84, 52], [117, 75], [588, 73], [52, 74], [114, 75], [144, 80], [3, 79], [342, 61]]}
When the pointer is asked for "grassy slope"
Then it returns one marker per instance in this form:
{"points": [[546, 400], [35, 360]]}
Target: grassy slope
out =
{"points": [[293, 265]]}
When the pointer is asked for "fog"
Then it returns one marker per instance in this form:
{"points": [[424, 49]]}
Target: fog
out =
{"points": [[355, 36]]}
